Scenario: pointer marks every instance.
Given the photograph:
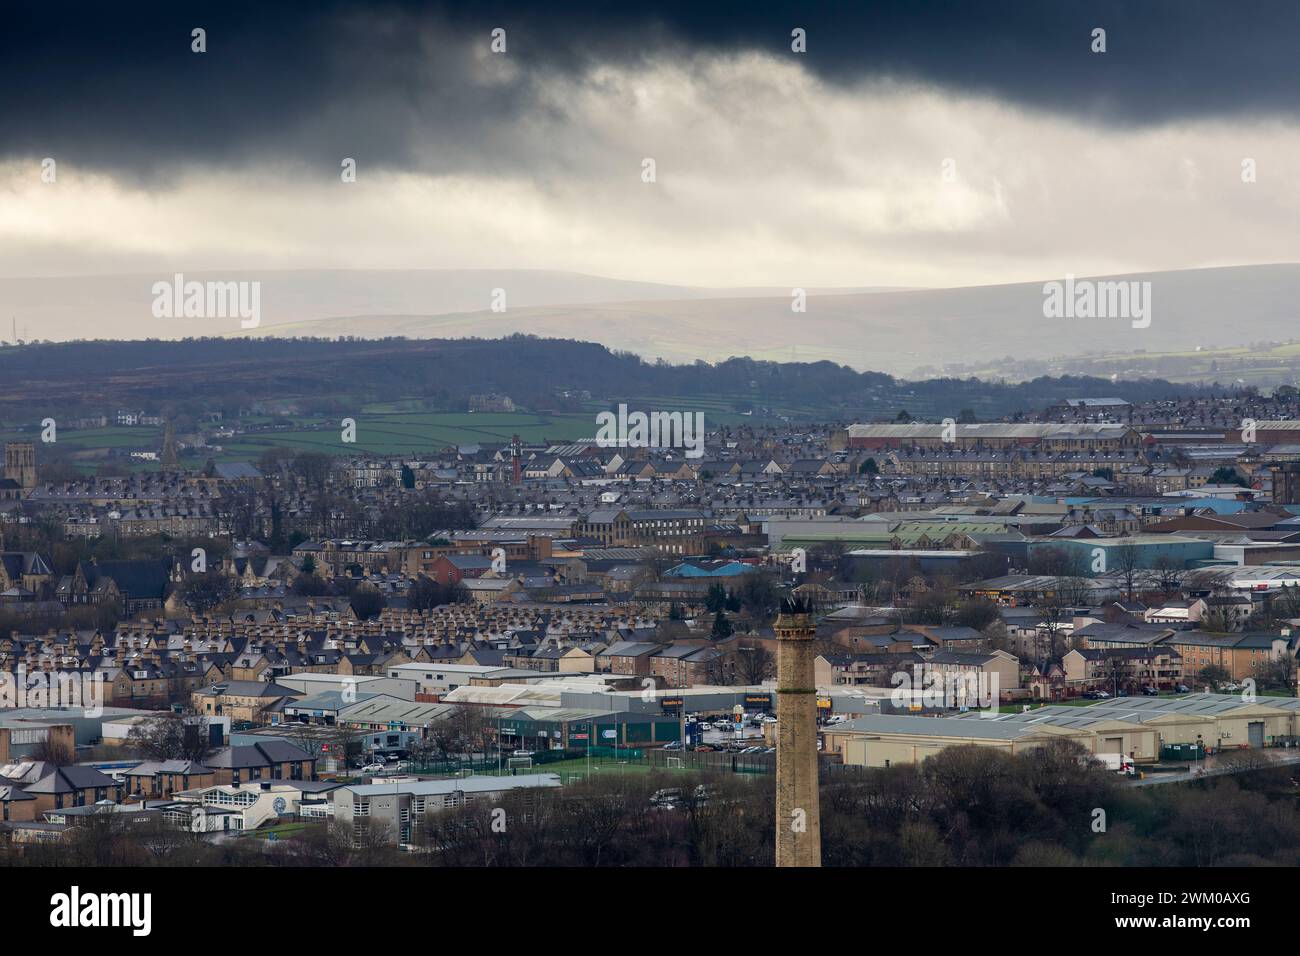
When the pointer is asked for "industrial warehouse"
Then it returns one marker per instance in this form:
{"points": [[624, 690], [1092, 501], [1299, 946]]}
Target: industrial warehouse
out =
{"points": [[1145, 729]]}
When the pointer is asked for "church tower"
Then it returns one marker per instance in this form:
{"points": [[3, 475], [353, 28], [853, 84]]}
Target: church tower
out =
{"points": [[20, 464], [169, 462], [798, 814]]}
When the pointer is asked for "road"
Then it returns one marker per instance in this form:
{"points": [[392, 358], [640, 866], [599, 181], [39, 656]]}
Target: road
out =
{"points": [[1217, 765]]}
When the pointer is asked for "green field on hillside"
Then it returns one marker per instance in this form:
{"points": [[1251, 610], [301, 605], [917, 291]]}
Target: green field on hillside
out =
{"points": [[402, 427], [377, 432], [401, 433], [1264, 365]]}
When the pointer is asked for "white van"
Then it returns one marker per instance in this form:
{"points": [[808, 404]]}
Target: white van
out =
{"points": [[1117, 763]]}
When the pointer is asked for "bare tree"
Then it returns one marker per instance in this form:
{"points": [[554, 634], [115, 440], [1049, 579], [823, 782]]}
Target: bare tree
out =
{"points": [[338, 843], [172, 737], [1211, 675], [1167, 574], [55, 750], [1277, 673], [1128, 563], [753, 662], [424, 749], [465, 729], [1218, 617]]}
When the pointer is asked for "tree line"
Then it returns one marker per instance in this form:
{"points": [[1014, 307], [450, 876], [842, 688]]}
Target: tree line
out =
{"points": [[966, 806]]}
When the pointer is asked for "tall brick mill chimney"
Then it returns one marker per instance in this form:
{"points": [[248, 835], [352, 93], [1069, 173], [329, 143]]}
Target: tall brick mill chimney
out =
{"points": [[798, 816]]}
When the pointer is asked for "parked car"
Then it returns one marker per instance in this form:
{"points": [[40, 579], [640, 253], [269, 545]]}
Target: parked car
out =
{"points": [[1151, 691], [524, 753], [835, 719], [673, 745], [768, 719], [373, 768], [1182, 689]]}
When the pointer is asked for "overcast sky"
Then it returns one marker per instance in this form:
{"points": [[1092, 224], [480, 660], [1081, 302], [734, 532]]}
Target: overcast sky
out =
{"points": [[773, 168]]}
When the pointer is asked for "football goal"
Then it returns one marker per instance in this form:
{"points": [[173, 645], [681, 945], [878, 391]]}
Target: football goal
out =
{"points": [[519, 763]]}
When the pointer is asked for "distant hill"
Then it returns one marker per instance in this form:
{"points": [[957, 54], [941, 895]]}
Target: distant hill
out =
{"points": [[119, 306], [902, 332], [540, 374]]}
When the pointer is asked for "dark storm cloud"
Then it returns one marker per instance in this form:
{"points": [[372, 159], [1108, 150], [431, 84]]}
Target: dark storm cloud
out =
{"points": [[114, 85]]}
